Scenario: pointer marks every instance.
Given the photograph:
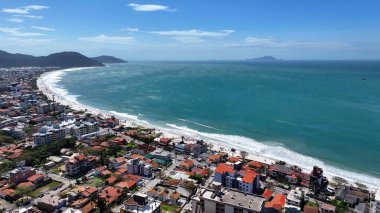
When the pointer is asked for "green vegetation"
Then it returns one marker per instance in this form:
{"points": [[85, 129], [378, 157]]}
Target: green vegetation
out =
{"points": [[38, 155], [168, 208], [197, 177], [341, 207], [4, 139], [95, 182], [131, 145], [309, 203], [360, 185], [44, 188]]}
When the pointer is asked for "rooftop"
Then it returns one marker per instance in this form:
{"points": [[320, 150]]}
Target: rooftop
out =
{"points": [[236, 198]]}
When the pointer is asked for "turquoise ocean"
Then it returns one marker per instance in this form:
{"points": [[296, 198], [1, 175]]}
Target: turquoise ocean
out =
{"points": [[324, 113]]}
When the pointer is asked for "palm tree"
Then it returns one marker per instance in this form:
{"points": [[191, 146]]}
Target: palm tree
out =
{"points": [[244, 154], [233, 150]]}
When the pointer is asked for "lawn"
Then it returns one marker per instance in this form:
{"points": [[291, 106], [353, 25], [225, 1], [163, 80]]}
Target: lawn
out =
{"points": [[168, 208], [45, 188], [95, 181]]}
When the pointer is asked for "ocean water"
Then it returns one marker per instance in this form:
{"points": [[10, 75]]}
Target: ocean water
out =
{"points": [[324, 113]]}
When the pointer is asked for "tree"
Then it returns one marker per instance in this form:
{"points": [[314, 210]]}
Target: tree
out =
{"points": [[339, 180], [24, 190], [360, 185], [244, 154]]}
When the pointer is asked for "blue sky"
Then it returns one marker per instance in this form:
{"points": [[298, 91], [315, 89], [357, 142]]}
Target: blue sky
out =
{"points": [[193, 29]]}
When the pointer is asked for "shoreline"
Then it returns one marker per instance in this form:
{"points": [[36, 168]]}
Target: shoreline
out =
{"points": [[46, 84]]}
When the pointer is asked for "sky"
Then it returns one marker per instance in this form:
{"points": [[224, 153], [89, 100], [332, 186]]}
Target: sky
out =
{"points": [[194, 29]]}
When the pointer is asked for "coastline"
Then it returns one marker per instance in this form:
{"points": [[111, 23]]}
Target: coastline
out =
{"points": [[46, 84]]}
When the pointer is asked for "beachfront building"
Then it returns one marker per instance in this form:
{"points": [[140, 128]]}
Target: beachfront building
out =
{"points": [[227, 201], [375, 206], [138, 167], [244, 181], [192, 148]]}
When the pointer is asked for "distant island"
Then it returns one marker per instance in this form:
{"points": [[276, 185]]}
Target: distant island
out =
{"points": [[61, 60], [106, 59], [265, 58]]}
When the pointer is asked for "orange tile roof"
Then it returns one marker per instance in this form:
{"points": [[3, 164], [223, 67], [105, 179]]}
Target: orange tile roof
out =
{"points": [[89, 207], [214, 157], [233, 159], [255, 164], [267, 194], [111, 180], [278, 202], [110, 194], [223, 168], [25, 184], [127, 184], [249, 177], [133, 156], [35, 177], [175, 196], [187, 163]]}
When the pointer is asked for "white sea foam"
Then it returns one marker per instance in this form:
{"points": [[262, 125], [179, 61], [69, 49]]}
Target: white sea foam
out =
{"points": [[274, 152], [48, 83]]}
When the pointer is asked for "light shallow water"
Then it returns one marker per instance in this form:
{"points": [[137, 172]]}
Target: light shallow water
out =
{"points": [[307, 113]]}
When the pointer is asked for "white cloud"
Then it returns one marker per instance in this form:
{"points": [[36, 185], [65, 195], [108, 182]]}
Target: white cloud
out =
{"points": [[130, 29], [273, 43], [189, 39], [43, 28], [34, 17], [18, 33], [14, 10], [194, 32], [16, 20], [149, 7], [15, 41], [109, 39], [24, 10], [35, 7]]}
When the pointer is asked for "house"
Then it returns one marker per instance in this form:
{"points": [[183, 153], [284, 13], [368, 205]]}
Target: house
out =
{"points": [[310, 209], [141, 203], [214, 159], [110, 194], [162, 154], [111, 180], [129, 184], [276, 204], [327, 208], [186, 164], [87, 191], [267, 194], [36, 179], [50, 203], [21, 174], [173, 199], [116, 162], [164, 141], [295, 196]]}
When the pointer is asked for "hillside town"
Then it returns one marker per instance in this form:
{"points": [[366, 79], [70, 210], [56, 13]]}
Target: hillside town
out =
{"points": [[56, 159]]}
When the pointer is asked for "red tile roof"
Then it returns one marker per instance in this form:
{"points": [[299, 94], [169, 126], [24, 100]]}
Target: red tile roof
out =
{"points": [[223, 168], [249, 176], [278, 202], [35, 177], [111, 180], [267, 194]]}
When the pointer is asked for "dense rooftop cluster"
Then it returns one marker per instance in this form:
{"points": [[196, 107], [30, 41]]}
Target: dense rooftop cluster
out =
{"points": [[56, 159]]}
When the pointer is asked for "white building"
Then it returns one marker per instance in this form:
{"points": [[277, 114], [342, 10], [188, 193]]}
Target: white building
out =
{"points": [[375, 206]]}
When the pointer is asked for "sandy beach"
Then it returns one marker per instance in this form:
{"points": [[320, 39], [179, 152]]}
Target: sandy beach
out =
{"points": [[46, 85]]}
